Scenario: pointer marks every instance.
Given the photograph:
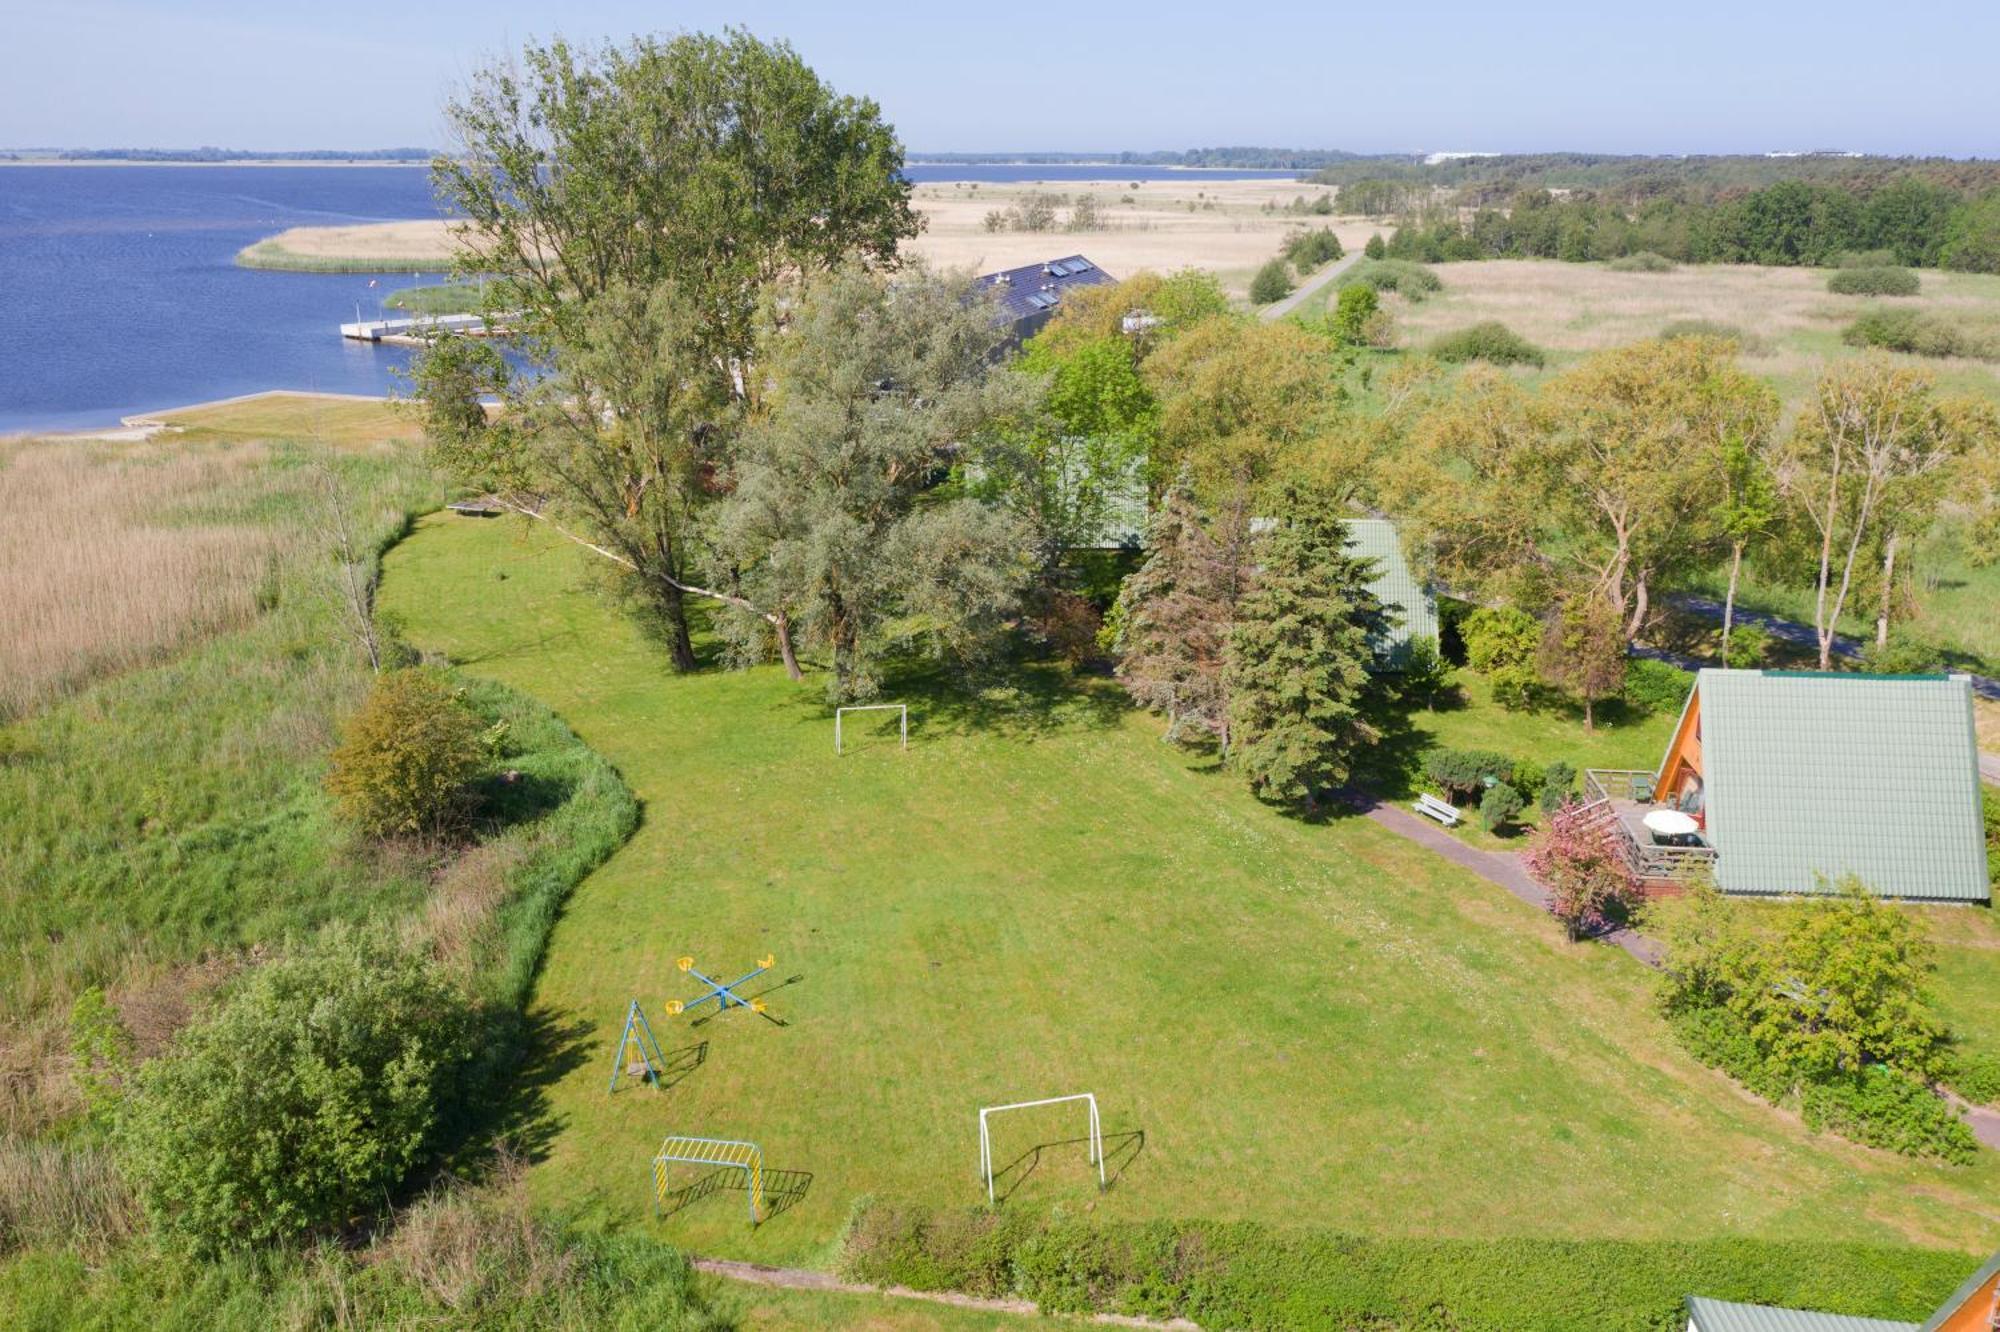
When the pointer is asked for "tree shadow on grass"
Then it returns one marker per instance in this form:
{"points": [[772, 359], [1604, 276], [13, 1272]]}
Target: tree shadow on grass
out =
{"points": [[1031, 700], [513, 797], [1120, 1150], [529, 1053]]}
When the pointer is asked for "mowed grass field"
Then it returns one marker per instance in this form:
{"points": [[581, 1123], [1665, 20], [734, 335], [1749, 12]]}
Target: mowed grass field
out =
{"points": [[1304, 1024]]}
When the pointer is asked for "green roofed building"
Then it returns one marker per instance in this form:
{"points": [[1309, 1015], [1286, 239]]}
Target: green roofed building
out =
{"points": [[1409, 601], [1790, 780]]}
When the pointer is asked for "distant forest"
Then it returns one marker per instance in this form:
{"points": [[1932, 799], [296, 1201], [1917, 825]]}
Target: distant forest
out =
{"points": [[1809, 210]]}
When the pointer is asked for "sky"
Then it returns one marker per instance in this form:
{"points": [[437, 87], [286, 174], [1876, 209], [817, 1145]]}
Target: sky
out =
{"points": [[1445, 75]]}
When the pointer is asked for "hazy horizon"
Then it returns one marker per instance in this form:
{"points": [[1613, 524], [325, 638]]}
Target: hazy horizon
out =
{"points": [[1720, 78]]}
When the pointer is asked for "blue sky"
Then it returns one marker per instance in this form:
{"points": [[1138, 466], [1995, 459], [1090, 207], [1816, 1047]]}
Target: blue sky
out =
{"points": [[1695, 76]]}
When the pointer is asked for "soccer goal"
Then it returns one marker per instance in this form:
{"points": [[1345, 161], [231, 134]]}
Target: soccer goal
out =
{"points": [[723, 1152], [903, 709], [1095, 1138]]}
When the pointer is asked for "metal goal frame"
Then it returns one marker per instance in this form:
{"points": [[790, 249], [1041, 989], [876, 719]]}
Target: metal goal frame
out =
{"points": [[1095, 1140], [902, 708]]}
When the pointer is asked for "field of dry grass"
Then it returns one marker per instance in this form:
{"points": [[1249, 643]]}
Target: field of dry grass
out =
{"points": [[1229, 226], [1791, 322], [102, 565]]}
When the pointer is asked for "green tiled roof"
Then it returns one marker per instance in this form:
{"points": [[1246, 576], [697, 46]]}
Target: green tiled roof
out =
{"points": [[1395, 584], [1809, 775], [1722, 1316]]}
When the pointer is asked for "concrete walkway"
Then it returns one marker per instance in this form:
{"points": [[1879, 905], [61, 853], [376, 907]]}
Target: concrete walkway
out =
{"points": [[1503, 868], [1279, 309]]}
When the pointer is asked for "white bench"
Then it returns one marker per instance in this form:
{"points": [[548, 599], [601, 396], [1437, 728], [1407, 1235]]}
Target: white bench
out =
{"points": [[1431, 807]]}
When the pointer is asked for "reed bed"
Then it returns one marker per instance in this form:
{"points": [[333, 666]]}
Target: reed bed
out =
{"points": [[100, 568]]}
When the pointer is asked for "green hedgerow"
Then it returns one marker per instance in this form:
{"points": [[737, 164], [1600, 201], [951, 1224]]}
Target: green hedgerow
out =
{"points": [[1644, 261], [1411, 281], [405, 758]]}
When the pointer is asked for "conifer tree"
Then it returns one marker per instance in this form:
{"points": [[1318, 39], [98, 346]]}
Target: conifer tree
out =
{"points": [[1299, 655], [1176, 610]]}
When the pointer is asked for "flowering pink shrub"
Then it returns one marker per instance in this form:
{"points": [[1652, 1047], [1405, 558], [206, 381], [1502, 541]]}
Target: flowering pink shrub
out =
{"points": [[1578, 859]]}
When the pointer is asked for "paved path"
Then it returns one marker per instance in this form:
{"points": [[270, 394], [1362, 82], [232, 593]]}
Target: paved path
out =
{"points": [[798, 1278], [1279, 309], [1503, 868]]}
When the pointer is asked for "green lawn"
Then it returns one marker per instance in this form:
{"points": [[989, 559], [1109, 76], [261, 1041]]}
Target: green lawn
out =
{"points": [[1309, 1024]]}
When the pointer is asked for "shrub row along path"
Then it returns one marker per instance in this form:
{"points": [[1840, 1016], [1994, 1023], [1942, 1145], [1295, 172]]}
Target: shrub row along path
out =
{"points": [[1505, 869], [1279, 309]]}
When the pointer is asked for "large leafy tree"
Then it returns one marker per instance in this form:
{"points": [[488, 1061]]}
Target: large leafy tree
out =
{"points": [[1299, 653], [1176, 610], [1602, 480], [1867, 466], [835, 520], [670, 181]]}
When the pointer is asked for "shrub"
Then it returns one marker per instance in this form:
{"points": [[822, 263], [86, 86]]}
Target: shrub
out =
{"points": [[1976, 1077], [305, 1099], [1873, 282], [1911, 331], [1070, 626], [1500, 806], [1412, 281], [1272, 283], [1903, 654], [1558, 785], [1423, 671], [1645, 261], [1578, 859], [1749, 344], [1352, 310], [1656, 686], [1462, 773], [1749, 646], [1249, 1275], [1500, 636], [1490, 341], [405, 758], [1309, 249], [1883, 1108]]}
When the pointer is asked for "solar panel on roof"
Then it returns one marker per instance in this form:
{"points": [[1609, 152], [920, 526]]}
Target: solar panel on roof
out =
{"points": [[1079, 265], [1058, 269]]}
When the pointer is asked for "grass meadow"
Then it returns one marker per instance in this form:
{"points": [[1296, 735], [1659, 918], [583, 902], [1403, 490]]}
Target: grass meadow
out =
{"points": [[1311, 1024]]}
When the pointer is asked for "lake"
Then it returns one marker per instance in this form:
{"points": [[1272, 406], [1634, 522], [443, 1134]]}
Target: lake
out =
{"points": [[120, 291]]}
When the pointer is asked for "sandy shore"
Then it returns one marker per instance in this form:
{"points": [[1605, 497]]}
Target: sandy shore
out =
{"points": [[1227, 226]]}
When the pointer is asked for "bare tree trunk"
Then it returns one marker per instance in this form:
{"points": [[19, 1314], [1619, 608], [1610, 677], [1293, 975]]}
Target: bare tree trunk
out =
{"points": [[1729, 599], [1888, 591], [1639, 608], [1589, 714], [783, 625]]}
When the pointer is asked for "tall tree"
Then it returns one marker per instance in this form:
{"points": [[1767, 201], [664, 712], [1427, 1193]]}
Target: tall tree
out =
{"points": [[1603, 477], [1299, 654], [1869, 461], [1745, 512], [1583, 650], [697, 166], [1176, 610], [835, 521]]}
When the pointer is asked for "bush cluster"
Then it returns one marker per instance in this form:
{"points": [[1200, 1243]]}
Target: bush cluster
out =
{"points": [[1309, 249], [1249, 1275], [1750, 344], [1272, 283], [1501, 643], [1490, 341], [1642, 261], [1915, 332], [1657, 686], [1885, 281], [1411, 281], [406, 757], [1461, 774]]}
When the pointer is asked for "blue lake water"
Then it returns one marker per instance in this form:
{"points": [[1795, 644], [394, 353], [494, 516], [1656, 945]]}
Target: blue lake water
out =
{"points": [[120, 294]]}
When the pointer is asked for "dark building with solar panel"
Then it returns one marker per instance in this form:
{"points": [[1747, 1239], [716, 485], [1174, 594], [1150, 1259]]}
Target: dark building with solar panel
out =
{"points": [[1027, 297]]}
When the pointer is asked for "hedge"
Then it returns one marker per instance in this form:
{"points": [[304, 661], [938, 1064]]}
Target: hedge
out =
{"points": [[1247, 1275]]}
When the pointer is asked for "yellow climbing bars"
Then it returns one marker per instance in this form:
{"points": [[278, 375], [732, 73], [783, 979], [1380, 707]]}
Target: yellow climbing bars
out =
{"points": [[682, 1150]]}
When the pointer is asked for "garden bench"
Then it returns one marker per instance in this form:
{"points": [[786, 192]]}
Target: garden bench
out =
{"points": [[1431, 807]]}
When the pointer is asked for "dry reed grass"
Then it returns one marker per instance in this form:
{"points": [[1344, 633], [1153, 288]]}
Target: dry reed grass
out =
{"points": [[469, 890], [98, 574], [470, 1246], [62, 1196]]}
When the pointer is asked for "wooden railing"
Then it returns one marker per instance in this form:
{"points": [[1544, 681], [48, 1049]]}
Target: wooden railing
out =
{"points": [[1619, 784], [1607, 788]]}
